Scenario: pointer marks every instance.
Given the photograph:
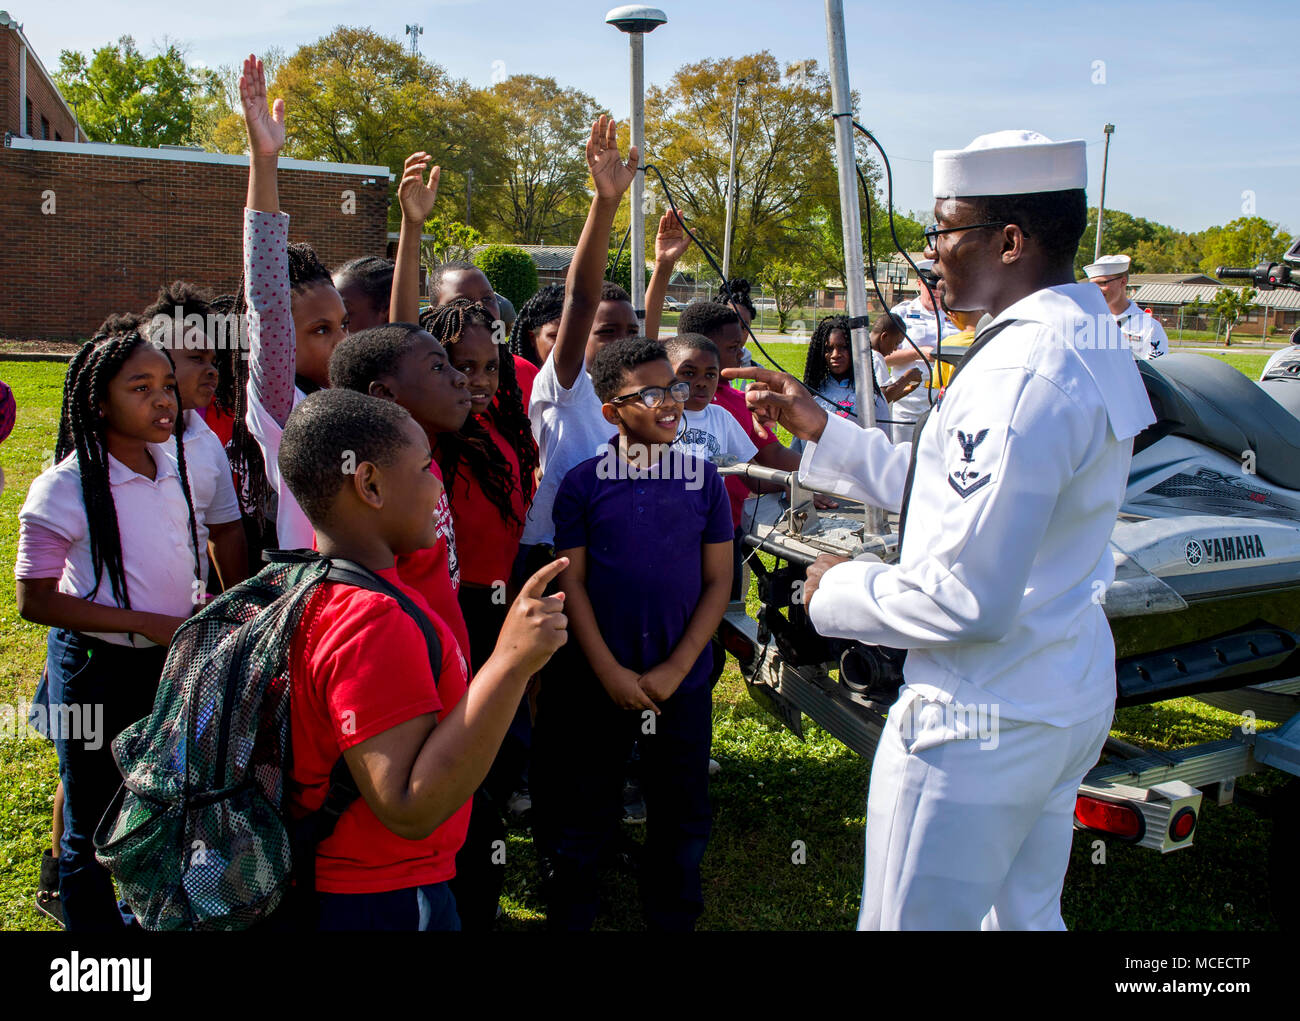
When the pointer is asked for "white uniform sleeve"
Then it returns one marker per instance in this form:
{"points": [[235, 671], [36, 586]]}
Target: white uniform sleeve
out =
{"points": [[1003, 457], [856, 463], [224, 507]]}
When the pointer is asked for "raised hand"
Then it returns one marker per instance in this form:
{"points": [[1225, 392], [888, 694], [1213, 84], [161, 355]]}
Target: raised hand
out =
{"points": [[610, 174], [265, 129], [415, 197], [672, 241], [780, 399], [536, 625]]}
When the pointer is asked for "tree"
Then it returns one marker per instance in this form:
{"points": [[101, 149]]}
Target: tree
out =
{"points": [[618, 268], [359, 97], [1231, 304], [448, 241], [785, 167], [791, 284], [1244, 241], [122, 96], [543, 193], [511, 270]]}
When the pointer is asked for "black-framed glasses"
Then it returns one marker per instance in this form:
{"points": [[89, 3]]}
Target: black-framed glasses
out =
{"points": [[933, 231], [653, 396]]}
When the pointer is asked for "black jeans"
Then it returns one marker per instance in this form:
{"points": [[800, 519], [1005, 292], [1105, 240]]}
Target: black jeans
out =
{"points": [[104, 688], [580, 748]]}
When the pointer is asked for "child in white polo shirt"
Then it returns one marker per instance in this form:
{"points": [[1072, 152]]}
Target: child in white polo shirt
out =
{"points": [[109, 557]]}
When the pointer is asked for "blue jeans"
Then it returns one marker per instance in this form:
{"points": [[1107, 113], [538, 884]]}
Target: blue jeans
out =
{"points": [[105, 688], [580, 750], [429, 908]]}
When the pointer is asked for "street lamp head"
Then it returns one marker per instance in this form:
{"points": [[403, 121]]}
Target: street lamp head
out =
{"points": [[635, 19], [1109, 128]]}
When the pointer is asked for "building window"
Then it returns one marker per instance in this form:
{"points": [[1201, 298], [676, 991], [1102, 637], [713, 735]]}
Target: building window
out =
{"points": [[58, 137], [45, 129], [28, 122]]}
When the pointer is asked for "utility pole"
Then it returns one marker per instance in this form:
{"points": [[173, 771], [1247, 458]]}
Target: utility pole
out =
{"points": [[851, 227], [1101, 203], [731, 184]]}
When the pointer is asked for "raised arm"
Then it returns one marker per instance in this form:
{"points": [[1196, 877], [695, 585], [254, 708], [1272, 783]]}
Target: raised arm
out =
{"points": [[266, 261], [416, 199], [671, 244], [611, 177]]}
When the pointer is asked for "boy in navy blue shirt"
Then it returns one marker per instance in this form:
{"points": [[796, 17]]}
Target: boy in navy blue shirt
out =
{"points": [[647, 530]]}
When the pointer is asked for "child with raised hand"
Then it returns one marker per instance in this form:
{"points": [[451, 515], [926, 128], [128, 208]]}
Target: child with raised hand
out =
{"points": [[565, 411], [416, 737], [109, 557], [404, 364], [646, 511], [295, 315], [197, 377], [449, 281]]}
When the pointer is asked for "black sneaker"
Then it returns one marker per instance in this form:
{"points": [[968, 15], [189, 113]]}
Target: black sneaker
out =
{"points": [[47, 894]]}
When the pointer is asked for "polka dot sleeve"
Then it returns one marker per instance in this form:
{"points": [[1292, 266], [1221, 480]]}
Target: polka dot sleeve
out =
{"points": [[270, 312]]}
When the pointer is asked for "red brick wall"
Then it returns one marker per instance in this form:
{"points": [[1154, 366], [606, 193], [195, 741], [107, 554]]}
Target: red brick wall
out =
{"points": [[124, 226], [45, 101]]}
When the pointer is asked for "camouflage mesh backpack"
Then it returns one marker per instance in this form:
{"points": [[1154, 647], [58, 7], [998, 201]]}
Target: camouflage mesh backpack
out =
{"points": [[199, 835]]}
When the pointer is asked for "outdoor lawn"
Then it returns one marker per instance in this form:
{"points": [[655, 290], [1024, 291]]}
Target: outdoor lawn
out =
{"points": [[773, 791]]}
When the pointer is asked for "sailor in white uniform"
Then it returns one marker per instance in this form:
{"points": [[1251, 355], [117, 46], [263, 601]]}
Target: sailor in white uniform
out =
{"points": [[1142, 330], [919, 318], [1009, 682]]}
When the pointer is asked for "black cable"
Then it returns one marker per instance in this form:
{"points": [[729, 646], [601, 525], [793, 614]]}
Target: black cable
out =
{"points": [[893, 233], [718, 269], [613, 268]]}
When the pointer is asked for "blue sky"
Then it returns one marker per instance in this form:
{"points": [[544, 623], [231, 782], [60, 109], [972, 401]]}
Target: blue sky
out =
{"points": [[1187, 84]]}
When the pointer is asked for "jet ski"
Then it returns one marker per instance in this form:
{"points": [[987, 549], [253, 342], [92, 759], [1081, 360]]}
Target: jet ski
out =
{"points": [[1206, 595]]}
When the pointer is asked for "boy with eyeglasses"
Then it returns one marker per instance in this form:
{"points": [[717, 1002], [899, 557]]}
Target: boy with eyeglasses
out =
{"points": [[648, 536]]}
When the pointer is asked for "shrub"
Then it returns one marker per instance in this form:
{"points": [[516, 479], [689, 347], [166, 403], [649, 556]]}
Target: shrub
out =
{"points": [[511, 270]]}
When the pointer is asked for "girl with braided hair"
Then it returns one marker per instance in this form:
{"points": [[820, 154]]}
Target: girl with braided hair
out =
{"points": [[111, 557], [488, 465]]}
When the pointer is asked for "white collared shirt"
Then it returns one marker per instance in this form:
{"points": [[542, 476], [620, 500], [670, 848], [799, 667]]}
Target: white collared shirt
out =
{"points": [[921, 331], [1143, 332], [1019, 476], [153, 523], [211, 484]]}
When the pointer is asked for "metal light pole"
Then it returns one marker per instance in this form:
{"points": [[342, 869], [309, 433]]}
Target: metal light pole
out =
{"points": [[731, 184], [851, 226], [1101, 203], [636, 21]]}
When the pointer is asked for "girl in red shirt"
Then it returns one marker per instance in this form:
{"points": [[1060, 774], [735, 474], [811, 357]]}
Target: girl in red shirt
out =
{"points": [[488, 467]]}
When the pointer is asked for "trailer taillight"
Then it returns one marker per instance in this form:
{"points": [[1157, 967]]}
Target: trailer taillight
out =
{"points": [[738, 645], [1182, 824], [1117, 818]]}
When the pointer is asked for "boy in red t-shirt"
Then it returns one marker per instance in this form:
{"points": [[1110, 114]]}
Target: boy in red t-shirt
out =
{"points": [[362, 683]]}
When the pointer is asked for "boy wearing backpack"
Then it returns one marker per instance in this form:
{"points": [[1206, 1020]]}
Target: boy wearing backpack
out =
{"points": [[361, 681]]}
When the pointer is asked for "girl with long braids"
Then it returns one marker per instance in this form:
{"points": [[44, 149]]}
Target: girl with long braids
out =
{"points": [[110, 558], [488, 466], [828, 370]]}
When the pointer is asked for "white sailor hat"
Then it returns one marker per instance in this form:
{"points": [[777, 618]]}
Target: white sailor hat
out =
{"points": [[925, 265], [1107, 266], [1017, 162]]}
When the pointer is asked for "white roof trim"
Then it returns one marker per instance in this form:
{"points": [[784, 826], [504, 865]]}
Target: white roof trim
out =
{"points": [[183, 156], [44, 74]]}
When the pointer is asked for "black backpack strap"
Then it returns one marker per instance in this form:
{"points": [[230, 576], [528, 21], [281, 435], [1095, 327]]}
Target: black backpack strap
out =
{"points": [[308, 832], [974, 349]]}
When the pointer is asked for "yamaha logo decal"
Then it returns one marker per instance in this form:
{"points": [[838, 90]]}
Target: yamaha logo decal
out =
{"points": [[1224, 548]]}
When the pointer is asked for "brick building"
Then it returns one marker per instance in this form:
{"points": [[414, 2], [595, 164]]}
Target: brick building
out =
{"points": [[89, 228], [30, 103]]}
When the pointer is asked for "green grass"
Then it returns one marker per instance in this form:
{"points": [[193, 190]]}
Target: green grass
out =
{"points": [[774, 790]]}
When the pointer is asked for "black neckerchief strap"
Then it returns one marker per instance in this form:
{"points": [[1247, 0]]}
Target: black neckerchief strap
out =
{"points": [[980, 341]]}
